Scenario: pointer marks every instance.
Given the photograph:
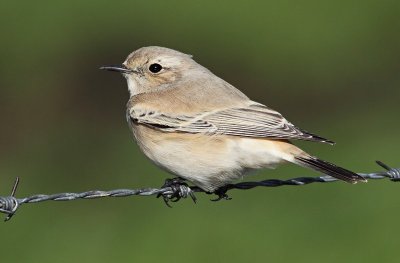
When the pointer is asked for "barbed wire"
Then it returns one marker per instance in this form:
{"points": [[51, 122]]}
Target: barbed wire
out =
{"points": [[173, 190]]}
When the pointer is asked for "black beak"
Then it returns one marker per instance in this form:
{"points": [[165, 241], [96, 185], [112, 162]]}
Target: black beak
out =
{"points": [[117, 68]]}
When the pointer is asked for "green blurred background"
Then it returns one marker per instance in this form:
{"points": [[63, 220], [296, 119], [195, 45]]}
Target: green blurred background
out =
{"points": [[331, 67]]}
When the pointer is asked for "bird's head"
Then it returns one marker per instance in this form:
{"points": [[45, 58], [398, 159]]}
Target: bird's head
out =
{"points": [[151, 68]]}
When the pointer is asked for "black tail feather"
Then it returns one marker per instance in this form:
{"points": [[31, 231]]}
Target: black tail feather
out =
{"points": [[330, 169]]}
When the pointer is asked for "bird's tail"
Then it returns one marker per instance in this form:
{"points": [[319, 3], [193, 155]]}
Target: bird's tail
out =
{"points": [[328, 168]]}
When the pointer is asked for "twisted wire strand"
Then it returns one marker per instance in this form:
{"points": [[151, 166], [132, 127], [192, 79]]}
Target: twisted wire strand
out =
{"points": [[10, 204]]}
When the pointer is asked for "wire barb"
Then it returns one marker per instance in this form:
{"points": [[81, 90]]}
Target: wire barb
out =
{"points": [[392, 173], [9, 204], [174, 190]]}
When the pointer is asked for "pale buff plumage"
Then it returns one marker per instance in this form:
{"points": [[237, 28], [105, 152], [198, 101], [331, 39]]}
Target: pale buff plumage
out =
{"points": [[199, 127]]}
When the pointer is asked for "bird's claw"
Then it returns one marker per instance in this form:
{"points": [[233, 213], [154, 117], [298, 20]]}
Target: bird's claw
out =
{"points": [[178, 189], [221, 193]]}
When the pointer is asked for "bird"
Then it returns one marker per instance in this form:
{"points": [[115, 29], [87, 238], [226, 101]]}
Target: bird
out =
{"points": [[200, 128]]}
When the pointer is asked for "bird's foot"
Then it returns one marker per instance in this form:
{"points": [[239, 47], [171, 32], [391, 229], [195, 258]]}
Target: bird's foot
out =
{"points": [[179, 189], [221, 193]]}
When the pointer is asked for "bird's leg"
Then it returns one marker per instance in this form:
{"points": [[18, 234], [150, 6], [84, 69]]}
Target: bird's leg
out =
{"points": [[179, 189], [221, 193]]}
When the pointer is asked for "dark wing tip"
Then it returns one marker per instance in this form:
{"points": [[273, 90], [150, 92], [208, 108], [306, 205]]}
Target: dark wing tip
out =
{"points": [[320, 139], [317, 138]]}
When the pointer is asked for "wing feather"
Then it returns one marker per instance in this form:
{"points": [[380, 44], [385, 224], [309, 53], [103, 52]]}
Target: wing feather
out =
{"points": [[254, 120]]}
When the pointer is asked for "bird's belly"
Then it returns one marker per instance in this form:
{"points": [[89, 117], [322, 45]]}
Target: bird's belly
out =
{"points": [[209, 161]]}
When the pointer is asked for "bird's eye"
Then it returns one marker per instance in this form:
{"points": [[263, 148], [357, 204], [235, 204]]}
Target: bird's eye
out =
{"points": [[155, 68]]}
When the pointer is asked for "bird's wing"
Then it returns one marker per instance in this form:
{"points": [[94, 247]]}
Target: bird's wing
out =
{"points": [[253, 120], [169, 122]]}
